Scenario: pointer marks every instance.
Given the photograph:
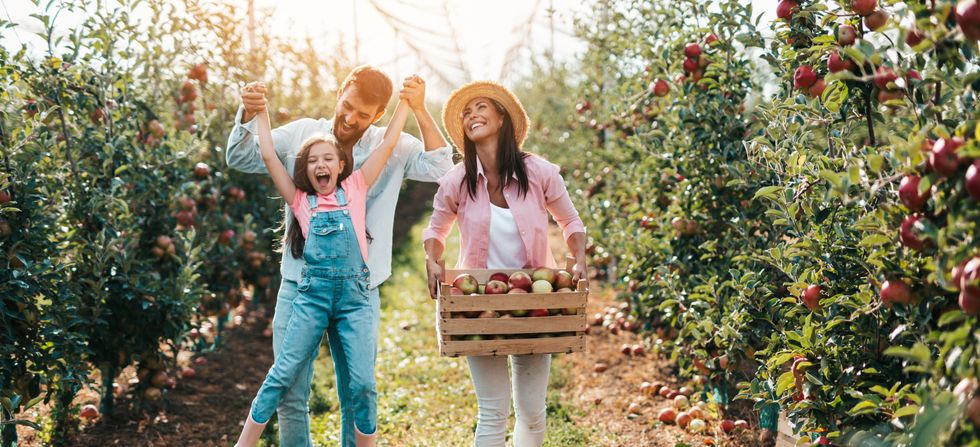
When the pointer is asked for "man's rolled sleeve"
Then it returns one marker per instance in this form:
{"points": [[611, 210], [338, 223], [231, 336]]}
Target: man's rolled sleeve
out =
{"points": [[422, 165]]}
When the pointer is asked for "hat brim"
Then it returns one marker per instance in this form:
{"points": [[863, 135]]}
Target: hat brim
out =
{"points": [[452, 111]]}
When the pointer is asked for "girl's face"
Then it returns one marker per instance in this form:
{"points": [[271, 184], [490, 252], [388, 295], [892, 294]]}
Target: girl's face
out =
{"points": [[324, 164], [481, 119]]}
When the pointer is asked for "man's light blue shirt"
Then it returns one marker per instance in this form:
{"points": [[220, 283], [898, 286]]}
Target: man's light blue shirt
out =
{"points": [[408, 160]]}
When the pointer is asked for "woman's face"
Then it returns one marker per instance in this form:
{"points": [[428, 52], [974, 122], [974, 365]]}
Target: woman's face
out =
{"points": [[481, 120], [323, 167]]}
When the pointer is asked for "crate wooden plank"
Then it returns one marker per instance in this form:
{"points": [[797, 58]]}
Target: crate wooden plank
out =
{"points": [[457, 303], [513, 347], [525, 325]]}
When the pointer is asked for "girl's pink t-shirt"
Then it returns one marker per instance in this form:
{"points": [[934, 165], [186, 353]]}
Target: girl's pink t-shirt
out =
{"points": [[355, 189]]}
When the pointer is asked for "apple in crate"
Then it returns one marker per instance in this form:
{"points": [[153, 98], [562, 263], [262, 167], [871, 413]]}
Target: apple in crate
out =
{"points": [[543, 274], [496, 287], [456, 291], [539, 313], [472, 313], [520, 280], [487, 314], [563, 280], [499, 276], [466, 283], [541, 286]]}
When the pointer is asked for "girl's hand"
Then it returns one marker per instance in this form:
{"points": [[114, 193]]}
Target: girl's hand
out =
{"points": [[580, 271], [434, 271]]}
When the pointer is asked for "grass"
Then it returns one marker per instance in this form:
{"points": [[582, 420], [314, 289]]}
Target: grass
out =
{"points": [[424, 399]]}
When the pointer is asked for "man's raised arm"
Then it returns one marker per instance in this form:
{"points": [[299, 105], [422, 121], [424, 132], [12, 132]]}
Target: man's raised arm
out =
{"points": [[242, 152]]}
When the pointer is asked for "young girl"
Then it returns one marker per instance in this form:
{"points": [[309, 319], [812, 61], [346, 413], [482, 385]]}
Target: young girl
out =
{"points": [[328, 202]]}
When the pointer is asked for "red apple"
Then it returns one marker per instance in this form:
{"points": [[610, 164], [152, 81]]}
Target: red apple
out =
{"points": [[823, 440], [864, 7], [876, 20], [185, 218], [660, 88], [499, 276], [846, 35], [727, 425], [710, 39], [943, 158], [816, 90], [895, 291], [692, 50], [89, 412], [515, 291], [683, 419], [973, 180], [968, 18], [883, 75], [226, 237], [668, 415], [908, 193], [664, 392], [908, 235], [545, 274], [969, 300], [811, 297], [187, 372], [804, 77], [202, 170], [495, 287], [835, 63], [973, 410], [912, 74], [600, 367], [520, 280], [786, 8], [198, 72], [564, 280], [163, 241], [466, 283], [691, 65], [742, 424], [5, 197], [914, 37], [637, 350], [188, 88], [886, 95]]}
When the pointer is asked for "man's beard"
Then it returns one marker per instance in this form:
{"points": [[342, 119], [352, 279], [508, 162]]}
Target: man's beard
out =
{"points": [[348, 139]]}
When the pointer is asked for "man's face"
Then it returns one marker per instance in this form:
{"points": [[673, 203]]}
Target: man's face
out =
{"points": [[353, 115]]}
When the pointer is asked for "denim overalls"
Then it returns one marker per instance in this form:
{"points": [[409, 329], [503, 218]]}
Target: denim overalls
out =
{"points": [[333, 291]]}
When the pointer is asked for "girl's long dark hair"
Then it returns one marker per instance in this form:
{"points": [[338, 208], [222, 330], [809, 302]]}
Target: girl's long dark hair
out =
{"points": [[510, 158], [302, 181]]}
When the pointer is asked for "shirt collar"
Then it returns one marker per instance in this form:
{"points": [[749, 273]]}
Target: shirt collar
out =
{"points": [[479, 170]]}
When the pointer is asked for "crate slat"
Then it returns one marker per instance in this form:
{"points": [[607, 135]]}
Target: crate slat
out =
{"points": [[456, 303], [525, 325], [551, 345]]}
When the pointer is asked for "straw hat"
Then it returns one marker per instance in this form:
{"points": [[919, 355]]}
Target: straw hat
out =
{"points": [[452, 111]]}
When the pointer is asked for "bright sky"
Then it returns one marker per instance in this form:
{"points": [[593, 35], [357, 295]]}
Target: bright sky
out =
{"points": [[497, 39]]}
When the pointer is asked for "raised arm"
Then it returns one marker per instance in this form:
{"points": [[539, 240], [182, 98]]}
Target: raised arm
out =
{"points": [[242, 152], [413, 92], [375, 162], [280, 176]]}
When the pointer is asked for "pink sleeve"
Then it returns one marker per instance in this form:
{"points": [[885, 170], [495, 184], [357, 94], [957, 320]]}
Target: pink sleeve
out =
{"points": [[559, 203], [300, 208], [355, 186], [444, 207]]}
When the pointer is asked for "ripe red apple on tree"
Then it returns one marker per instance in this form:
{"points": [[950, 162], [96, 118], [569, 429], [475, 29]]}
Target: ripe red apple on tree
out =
{"points": [[692, 50], [198, 72], [691, 65], [804, 77], [908, 235], [97, 115], [816, 90], [226, 237], [5, 197], [710, 39], [786, 8], [811, 297], [202, 170], [876, 20], [864, 7], [968, 19], [970, 287], [835, 63], [884, 75], [972, 182], [583, 107], [886, 95], [660, 88], [908, 193], [846, 35], [895, 291], [943, 158], [914, 37]]}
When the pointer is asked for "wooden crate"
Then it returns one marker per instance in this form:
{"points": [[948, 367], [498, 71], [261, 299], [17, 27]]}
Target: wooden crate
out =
{"points": [[565, 333]]}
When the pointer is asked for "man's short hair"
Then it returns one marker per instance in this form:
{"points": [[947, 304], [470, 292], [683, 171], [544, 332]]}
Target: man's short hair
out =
{"points": [[373, 86]]}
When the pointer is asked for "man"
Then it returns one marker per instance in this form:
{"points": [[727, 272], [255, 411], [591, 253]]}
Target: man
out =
{"points": [[361, 102]]}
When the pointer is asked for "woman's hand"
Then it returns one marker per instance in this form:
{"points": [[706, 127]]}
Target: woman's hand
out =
{"points": [[580, 271], [434, 271]]}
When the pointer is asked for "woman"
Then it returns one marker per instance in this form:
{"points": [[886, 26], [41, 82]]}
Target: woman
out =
{"points": [[500, 195]]}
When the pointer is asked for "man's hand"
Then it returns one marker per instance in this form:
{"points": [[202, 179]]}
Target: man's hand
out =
{"points": [[253, 100], [413, 92]]}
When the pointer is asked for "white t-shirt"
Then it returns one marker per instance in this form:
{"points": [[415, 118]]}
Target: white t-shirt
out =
{"points": [[506, 248]]}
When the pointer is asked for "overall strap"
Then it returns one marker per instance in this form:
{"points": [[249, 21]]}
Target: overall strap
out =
{"points": [[311, 199], [341, 197]]}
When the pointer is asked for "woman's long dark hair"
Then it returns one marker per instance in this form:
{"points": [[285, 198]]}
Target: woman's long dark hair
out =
{"points": [[302, 181], [510, 158]]}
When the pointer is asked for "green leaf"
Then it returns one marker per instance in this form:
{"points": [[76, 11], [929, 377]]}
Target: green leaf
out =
{"points": [[784, 383], [908, 410], [768, 192], [863, 407]]}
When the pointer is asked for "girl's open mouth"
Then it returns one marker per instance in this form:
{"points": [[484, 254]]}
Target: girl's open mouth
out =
{"points": [[323, 180]]}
